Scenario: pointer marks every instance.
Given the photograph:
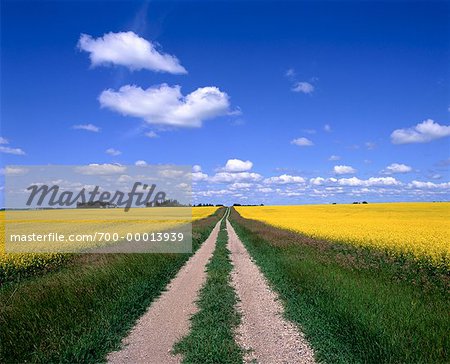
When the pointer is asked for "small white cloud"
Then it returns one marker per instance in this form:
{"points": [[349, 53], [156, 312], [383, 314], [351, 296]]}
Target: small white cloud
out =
{"points": [[265, 189], [302, 142], [13, 171], [317, 181], [113, 152], [334, 158], [398, 168], [101, 169], [124, 178], [236, 112], [370, 145], [3, 140], [428, 185], [304, 87], [88, 127], [140, 163], [284, 179], [372, 181], [237, 165], [199, 176], [423, 132], [8, 150], [129, 50], [223, 177], [165, 105], [342, 169], [290, 72], [327, 128], [240, 186], [170, 173], [151, 135]]}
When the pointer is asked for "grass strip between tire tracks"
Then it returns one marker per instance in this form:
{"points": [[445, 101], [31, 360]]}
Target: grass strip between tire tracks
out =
{"points": [[211, 338]]}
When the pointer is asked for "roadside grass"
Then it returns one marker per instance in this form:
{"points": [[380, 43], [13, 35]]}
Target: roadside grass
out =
{"points": [[352, 311], [81, 312], [211, 338]]}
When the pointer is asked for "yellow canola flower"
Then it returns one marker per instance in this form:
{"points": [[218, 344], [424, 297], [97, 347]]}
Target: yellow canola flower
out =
{"points": [[84, 221], [420, 228]]}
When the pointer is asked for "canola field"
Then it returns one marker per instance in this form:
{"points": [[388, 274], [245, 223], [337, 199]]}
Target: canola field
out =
{"points": [[85, 221], [420, 228]]}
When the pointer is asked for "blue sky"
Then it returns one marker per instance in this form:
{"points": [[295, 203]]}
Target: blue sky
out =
{"points": [[272, 102]]}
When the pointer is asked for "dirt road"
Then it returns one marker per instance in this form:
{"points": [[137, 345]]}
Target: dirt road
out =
{"points": [[263, 333], [268, 337], [167, 319]]}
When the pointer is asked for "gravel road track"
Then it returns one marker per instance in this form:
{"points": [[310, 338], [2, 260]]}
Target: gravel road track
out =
{"points": [[167, 319], [267, 337]]}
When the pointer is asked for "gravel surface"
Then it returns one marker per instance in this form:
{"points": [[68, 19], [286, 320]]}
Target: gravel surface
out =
{"points": [[167, 319], [263, 333]]}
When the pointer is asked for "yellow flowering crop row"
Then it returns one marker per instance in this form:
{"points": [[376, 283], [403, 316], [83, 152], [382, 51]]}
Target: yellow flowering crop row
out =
{"points": [[420, 228], [116, 220]]}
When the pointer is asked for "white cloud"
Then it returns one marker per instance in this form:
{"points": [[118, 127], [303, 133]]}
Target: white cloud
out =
{"points": [[140, 163], [284, 179], [166, 105], [223, 177], [317, 181], [290, 72], [87, 127], [423, 132], [124, 178], [265, 189], [302, 142], [237, 165], [428, 185], [8, 150], [113, 152], [199, 176], [240, 186], [209, 193], [327, 128], [370, 145], [334, 158], [101, 169], [372, 181], [129, 50], [398, 168], [342, 169], [304, 87], [196, 168], [13, 171], [151, 135]]}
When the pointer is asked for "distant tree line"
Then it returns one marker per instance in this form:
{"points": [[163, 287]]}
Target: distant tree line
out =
{"points": [[238, 204], [207, 205]]}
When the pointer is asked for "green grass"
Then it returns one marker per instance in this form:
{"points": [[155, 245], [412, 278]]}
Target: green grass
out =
{"points": [[81, 312], [352, 312], [211, 339]]}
